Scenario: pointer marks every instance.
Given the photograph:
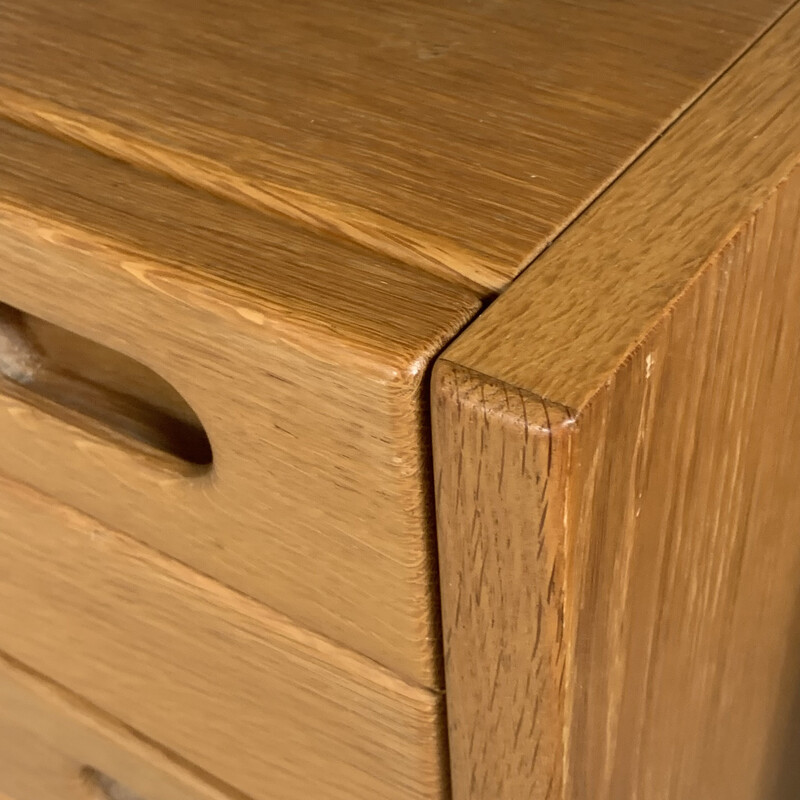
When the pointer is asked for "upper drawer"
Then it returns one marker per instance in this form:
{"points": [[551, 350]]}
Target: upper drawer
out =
{"points": [[303, 358], [214, 677]]}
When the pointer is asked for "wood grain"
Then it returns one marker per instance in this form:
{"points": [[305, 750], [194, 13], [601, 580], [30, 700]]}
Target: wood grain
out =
{"points": [[50, 739], [502, 559], [213, 677], [683, 538], [736, 144], [304, 358], [616, 453], [460, 137]]}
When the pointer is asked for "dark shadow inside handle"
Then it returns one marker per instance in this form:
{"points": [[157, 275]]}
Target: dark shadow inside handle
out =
{"points": [[100, 383], [104, 787]]}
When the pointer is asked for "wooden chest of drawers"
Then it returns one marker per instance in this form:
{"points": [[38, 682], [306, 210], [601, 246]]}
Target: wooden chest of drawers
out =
{"points": [[397, 401]]}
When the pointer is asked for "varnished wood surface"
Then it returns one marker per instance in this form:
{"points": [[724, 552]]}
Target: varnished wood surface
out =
{"points": [[458, 136], [684, 585], [211, 676], [459, 140], [50, 740], [305, 359], [616, 455]]}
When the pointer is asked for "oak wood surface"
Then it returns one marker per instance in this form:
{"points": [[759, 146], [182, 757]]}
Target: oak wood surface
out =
{"points": [[50, 740], [736, 144], [304, 358], [616, 455], [683, 549], [503, 573], [459, 137], [459, 140], [211, 676]]}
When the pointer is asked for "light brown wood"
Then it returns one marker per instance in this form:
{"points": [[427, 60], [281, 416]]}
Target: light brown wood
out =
{"points": [[685, 559], [503, 573], [634, 250], [51, 741], [215, 678], [617, 450], [304, 358], [460, 137]]}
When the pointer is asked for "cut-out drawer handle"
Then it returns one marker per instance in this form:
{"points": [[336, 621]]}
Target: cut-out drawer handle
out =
{"points": [[104, 787], [82, 376]]}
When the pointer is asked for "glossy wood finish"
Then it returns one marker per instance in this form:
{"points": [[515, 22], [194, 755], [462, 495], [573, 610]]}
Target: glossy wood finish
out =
{"points": [[458, 137], [213, 677], [616, 448], [304, 358]]}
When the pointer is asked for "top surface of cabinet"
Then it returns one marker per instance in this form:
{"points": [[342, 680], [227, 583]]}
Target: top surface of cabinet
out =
{"points": [[459, 137]]}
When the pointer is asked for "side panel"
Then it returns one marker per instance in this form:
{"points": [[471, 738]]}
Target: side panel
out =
{"points": [[683, 598], [667, 320]]}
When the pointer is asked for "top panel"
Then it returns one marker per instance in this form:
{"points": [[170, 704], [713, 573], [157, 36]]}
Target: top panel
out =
{"points": [[460, 137]]}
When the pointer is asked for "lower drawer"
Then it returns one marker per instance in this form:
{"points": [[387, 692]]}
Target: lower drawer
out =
{"points": [[215, 678], [55, 747]]}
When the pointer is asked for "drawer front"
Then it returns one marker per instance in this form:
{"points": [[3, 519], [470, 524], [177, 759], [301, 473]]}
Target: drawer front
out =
{"points": [[53, 746], [317, 498], [215, 678]]}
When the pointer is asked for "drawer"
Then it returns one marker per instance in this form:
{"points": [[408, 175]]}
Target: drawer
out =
{"points": [[53, 746], [236, 236], [303, 359], [215, 678]]}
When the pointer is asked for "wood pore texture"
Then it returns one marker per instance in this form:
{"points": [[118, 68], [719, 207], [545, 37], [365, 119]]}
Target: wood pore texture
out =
{"points": [[214, 677], [285, 211], [458, 137], [617, 453]]}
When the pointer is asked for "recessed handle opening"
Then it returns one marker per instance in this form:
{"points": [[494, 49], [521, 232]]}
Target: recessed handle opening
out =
{"points": [[104, 787], [99, 383]]}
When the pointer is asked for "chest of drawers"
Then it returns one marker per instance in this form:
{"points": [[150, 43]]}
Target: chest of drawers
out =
{"points": [[397, 401]]}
